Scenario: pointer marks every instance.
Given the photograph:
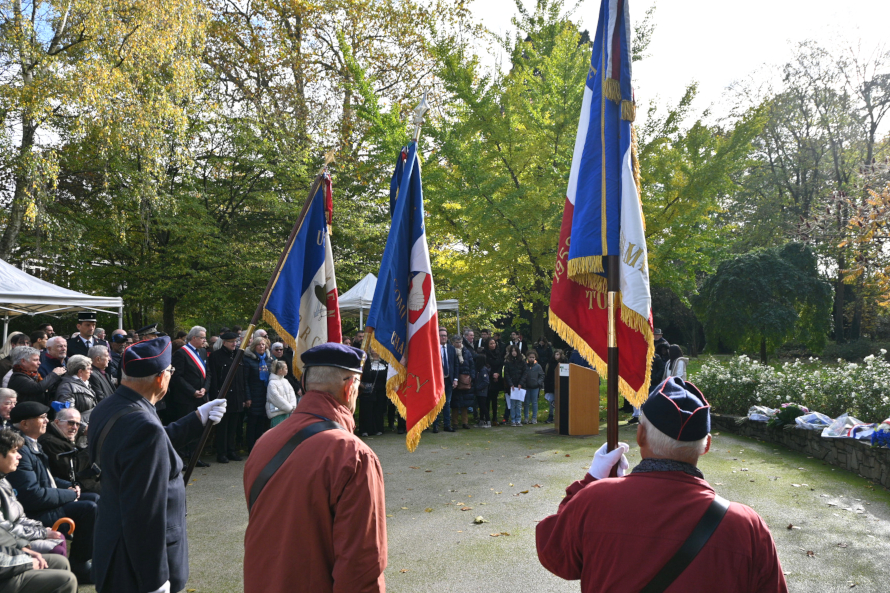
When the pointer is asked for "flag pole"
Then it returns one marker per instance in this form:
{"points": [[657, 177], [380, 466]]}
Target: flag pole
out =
{"points": [[245, 342], [419, 112], [612, 282]]}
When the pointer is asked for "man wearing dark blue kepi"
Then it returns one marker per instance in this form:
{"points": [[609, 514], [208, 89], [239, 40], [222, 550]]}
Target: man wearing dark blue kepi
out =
{"points": [[140, 541]]}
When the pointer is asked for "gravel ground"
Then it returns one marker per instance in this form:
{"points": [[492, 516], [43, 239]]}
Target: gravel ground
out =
{"points": [[513, 477]]}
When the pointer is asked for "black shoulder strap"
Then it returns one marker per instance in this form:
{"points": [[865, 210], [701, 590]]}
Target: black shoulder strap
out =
{"points": [[276, 462], [706, 527], [97, 456]]}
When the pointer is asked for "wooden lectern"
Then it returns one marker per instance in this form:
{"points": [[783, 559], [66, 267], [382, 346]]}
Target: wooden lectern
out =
{"points": [[577, 401]]}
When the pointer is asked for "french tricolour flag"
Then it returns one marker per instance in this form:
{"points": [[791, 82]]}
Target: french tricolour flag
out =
{"points": [[604, 216], [403, 325], [302, 305]]}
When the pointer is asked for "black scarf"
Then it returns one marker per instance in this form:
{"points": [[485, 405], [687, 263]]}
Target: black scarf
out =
{"points": [[667, 465]]}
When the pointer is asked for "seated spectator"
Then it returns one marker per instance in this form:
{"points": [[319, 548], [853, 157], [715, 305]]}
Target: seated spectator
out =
{"points": [[38, 339], [40, 539], [16, 340], [54, 356], [75, 387], [48, 499], [64, 442], [101, 381], [8, 400], [27, 382]]}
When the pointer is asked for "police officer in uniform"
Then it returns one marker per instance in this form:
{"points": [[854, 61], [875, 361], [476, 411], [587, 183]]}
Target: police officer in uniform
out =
{"points": [[142, 484], [86, 325]]}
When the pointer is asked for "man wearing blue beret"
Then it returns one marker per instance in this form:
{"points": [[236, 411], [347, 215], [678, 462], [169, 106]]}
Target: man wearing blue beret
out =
{"points": [[318, 488], [140, 541], [662, 527]]}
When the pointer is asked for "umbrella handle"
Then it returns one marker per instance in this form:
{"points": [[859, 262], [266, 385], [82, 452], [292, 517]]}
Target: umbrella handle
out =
{"points": [[64, 521]]}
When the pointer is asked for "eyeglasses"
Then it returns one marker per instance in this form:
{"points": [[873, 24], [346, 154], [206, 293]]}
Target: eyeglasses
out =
{"points": [[72, 423], [169, 370]]}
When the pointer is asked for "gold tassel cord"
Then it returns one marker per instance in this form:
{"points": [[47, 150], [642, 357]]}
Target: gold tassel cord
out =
{"points": [[635, 396], [394, 383], [628, 110], [288, 339], [612, 90], [413, 438]]}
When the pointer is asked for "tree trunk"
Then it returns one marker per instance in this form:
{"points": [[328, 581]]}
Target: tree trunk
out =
{"points": [[763, 350], [856, 322], [839, 301], [539, 312], [169, 314], [19, 205]]}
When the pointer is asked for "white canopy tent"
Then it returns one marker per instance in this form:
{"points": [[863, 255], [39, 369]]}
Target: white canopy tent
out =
{"points": [[23, 294], [359, 298]]}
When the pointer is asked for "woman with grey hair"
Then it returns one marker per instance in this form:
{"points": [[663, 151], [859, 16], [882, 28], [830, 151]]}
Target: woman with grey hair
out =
{"points": [[16, 339], [101, 381], [75, 387], [27, 382]]}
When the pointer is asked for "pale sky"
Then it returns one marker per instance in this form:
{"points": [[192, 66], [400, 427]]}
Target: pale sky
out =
{"points": [[717, 42]]}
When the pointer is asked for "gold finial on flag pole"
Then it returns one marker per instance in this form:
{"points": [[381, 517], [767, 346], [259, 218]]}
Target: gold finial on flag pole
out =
{"points": [[418, 115], [329, 156]]}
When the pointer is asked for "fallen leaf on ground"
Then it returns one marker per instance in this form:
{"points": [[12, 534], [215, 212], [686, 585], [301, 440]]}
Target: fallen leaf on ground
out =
{"points": [[429, 471], [842, 545], [790, 526], [467, 509], [495, 534], [480, 520], [523, 492], [537, 486], [404, 570], [389, 515], [404, 508], [795, 485], [427, 510], [413, 467], [811, 554], [567, 455]]}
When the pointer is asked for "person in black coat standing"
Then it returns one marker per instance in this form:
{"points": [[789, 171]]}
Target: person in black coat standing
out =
{"points": [[188, 386], [219, 364], [141, 542]]}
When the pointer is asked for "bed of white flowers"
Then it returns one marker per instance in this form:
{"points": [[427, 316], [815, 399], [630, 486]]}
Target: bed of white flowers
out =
{"points": [[863, 389]]}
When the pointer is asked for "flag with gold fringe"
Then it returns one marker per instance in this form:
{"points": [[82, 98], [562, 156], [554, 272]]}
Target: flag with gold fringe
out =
{"points": [[604, 216], [302, 306], [403, 323]]}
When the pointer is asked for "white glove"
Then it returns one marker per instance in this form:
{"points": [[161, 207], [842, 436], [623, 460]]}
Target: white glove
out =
{"points": [[603, 462], [213, 410], [165, 588]]}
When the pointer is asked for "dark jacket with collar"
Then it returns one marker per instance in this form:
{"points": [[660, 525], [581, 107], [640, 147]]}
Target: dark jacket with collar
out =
{"points": [[188, 378], [30, 390], [54, 443], [141, 485], [34, 487], [256, 387], [48, 363], [218, 366], [515, 372], [452, 361], [101, 383], [76, 346]]}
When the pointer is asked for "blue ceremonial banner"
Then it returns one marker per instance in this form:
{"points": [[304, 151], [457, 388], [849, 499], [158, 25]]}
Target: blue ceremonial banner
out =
{"points": [[302, 305], [396, 180], [604, 216], [403, 324]]}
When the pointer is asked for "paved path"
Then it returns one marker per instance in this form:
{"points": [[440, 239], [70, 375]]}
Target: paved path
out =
{"points": [[515, 476]]}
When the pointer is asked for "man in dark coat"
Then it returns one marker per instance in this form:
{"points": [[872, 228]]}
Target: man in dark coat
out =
{"points": [[64, 443], [188, 387], [100, 378], [449, 370], [86, 325], [141, 481], [54, 356], [219, 364], [48, 499]]}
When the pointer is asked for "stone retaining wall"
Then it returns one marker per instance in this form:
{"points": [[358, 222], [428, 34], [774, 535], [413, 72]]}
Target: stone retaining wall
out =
{"points": [[858, 457]]}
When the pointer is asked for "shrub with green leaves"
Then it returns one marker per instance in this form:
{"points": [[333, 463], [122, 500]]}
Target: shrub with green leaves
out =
{"points": [[862, 390]]}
